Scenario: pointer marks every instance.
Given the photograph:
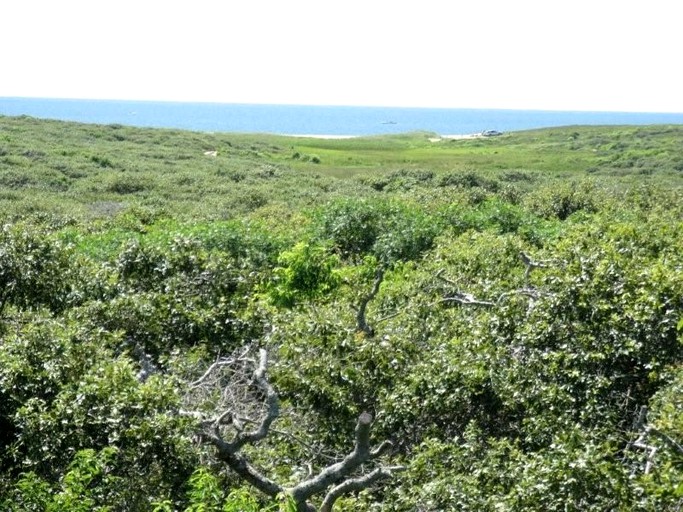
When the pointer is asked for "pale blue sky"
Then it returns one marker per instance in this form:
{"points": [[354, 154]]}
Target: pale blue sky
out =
{"points": [[574, 55]]}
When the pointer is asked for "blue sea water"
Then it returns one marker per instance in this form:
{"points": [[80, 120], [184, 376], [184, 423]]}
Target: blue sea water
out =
{"points": [[314, 120]]}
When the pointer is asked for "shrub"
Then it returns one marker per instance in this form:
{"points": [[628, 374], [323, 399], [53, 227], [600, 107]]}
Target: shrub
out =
{"points": [[303, 273], [390, 231], [562, 200]]}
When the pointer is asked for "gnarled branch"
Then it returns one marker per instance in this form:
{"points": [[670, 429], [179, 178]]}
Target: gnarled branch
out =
{"points": [[531, 264], [214, 427], [357, 484], [468, 299], [361, 453], [644, 432], [228, 451], [361, 311]]}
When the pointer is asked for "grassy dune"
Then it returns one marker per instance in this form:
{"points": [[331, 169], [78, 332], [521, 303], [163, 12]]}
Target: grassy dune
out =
{"points": [[97, 171]]}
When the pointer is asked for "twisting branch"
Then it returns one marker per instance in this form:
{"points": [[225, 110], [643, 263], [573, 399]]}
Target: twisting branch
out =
{"points": [[668, 440], [361, 311], [531, 264], [648, 431], [229, 374], [468, 299], [218, 363], [228, 451], [357, 484], [642, 438], [459, 297], [272, 402], [361, 453], [316, 450]]}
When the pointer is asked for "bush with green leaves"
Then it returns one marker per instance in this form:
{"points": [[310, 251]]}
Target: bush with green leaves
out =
{"points": [[658, 456], [65, 391], [36, 269], [391, 231], [85, 487], [306, 272], [562, 200]]}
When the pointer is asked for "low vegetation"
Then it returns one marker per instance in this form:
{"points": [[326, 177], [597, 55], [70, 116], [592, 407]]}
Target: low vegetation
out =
{"points": [[226, 322]]}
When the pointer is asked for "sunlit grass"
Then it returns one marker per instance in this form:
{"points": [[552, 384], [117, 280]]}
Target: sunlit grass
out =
{"points": [[92, 171]]}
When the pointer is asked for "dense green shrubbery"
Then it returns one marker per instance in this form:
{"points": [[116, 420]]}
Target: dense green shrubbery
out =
{"points": [[306, 272], [390, 231], [526, 334], [36, 269]]}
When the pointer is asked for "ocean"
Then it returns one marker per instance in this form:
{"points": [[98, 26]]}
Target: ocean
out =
{"points": [[314, 120]]}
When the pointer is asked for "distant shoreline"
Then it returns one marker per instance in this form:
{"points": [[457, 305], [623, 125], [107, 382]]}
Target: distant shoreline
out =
{"points": [[340, 137], [316, 121]]}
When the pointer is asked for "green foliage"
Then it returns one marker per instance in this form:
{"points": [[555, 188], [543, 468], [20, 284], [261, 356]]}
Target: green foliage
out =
{"points": [[130, 261], [662, 487], [64, 392], [479, 473], [77, 490], [305, 272], [353, 226], [469, 179], [32, 269], [389, 231], [205, 493], [564, 200]]}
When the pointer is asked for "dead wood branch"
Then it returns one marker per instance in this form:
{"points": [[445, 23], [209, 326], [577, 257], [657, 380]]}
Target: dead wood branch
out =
{"points": [[468, 299], [357, 484], [531, 264], [230, 428], [342, 471], [647, 431], [361, 311], [460, 297]]}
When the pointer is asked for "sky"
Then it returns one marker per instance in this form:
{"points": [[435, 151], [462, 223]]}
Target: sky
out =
{"points": [[520, 54]]}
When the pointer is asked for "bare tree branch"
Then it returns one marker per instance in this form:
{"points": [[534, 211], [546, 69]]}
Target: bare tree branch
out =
{"points": [[439, 275], [356, 484], [272, 403], [667, 439], [240, 465], [467, 299], [316, 451], [361, 321], [531, 264], [361, 453], [218, 363], [216, 425], [228, 451], [644, 432]]}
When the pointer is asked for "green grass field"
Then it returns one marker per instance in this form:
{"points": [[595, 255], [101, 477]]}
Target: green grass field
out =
{"points": [[90, 171]]}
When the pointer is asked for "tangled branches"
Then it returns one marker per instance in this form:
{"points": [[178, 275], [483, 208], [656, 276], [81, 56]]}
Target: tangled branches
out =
{"points": [[467, 299], [236, 405]]}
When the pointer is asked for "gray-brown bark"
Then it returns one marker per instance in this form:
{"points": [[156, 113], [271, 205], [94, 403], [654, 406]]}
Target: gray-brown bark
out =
{"points": [[467, 299], [361, 453], [342, 475], [361, 311]]}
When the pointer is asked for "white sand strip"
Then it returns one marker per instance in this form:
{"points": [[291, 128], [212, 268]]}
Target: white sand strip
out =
{"points": [[320, 136]]}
